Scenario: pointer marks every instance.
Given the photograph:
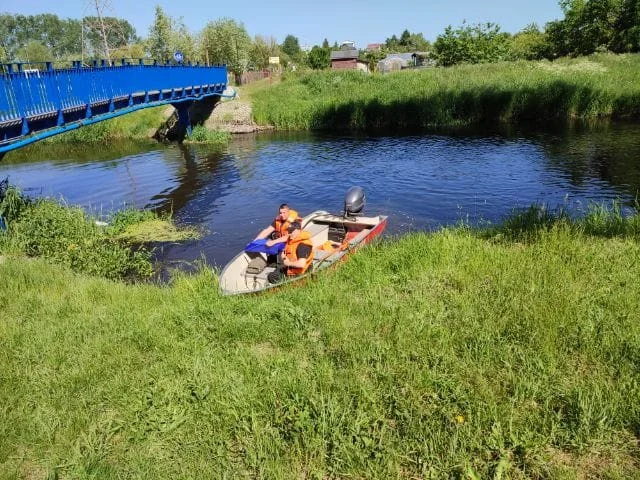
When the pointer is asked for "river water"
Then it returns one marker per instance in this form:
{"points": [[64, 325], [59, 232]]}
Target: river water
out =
{"points": [[421, 181]]}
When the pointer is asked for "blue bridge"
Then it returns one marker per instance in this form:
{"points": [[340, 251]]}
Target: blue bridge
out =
{"points": [[40, 101]]}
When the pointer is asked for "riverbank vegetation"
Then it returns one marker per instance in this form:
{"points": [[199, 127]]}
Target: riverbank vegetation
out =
{"points": [[599, 86], [504, 353], [139, 125], [68, 236]]}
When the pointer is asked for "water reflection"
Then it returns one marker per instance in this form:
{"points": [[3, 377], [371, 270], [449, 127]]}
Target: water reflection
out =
{"points": [[420, 181]]}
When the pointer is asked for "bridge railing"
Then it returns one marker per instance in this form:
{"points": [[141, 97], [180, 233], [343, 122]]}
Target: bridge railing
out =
{"points": [[40, 97]]}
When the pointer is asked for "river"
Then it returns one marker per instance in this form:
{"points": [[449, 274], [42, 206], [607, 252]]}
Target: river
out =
{"points": [[421, 181]]}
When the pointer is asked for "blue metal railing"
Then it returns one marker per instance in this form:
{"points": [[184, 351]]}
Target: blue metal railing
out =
{"points": [[41, 101]]}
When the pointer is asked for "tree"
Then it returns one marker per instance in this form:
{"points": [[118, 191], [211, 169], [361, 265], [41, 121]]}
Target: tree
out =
{"points": [[291, 46], [159, 41], [226, 41], [588, 25], [319, 58], [108, 33], [626, 37], [34, 51], [392, 43], [408, 42], [261, 49], [529, 44], [472, 44], [372, 58], [325, 44], [182, 40]]}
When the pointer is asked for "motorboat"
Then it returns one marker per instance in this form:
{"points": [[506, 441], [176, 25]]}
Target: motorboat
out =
{"points": [[334, 237]]}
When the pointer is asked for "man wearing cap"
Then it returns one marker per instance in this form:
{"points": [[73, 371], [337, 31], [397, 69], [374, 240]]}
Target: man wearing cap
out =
{"points": [[297, 255]]}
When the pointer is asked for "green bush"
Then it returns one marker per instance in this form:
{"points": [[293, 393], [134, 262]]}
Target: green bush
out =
{"points": [[68, 236], [201, 134]]}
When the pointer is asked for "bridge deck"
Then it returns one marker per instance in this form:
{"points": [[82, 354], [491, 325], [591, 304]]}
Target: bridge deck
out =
{"points": [[39, 102]]}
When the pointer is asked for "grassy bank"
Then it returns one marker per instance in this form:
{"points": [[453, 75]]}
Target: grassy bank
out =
{"points": [[591, 87], [139, 125], [510, 353], [67, 235]]}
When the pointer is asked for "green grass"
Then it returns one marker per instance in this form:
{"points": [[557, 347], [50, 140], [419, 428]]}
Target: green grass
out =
{"points": [[584, 88], [67, 235], [138, 125], [462, 353], [202, 134]]}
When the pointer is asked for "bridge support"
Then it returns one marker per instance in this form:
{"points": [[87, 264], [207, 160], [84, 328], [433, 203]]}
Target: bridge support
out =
{"points": [[187, 115], [183, 115]]}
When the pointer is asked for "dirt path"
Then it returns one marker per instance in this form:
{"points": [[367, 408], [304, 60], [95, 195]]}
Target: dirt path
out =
{"points": [[233, 116]]}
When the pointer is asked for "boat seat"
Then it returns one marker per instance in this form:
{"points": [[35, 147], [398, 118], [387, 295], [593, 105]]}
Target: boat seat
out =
{"points": [[319, 233], [262, 275]]}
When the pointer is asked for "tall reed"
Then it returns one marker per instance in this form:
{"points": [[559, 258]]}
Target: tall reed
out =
{"points": [[591, 87]]}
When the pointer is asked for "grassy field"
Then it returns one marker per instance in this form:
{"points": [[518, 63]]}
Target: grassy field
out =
{"points": [[504, 353], [585, 88]]}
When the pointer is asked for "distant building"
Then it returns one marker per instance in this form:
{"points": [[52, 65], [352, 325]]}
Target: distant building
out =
{"points": [[347, 58], [399, 61], [374, 47]]}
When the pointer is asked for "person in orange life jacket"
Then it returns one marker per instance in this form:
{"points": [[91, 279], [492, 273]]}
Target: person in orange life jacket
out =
{"points": [[277, 231], [297, 255]]}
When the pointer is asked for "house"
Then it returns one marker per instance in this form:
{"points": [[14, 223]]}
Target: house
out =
{"points": [[374, 47], [347, 58]]}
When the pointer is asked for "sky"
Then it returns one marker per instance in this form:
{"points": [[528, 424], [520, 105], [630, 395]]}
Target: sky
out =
{"points": [[359, 21]]}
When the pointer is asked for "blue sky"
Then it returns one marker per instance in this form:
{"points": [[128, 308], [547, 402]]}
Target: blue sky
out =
{"points": [[360, 21]]}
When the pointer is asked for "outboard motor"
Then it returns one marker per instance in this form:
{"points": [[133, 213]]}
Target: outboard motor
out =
{"points": [[354, 201]]}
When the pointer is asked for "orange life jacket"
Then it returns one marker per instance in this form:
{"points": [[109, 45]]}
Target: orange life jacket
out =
{"points": [[281, 226], [291, 252]]}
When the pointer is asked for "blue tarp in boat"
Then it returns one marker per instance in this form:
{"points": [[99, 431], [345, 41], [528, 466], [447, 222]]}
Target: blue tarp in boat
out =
{"points": [[260, 246]]}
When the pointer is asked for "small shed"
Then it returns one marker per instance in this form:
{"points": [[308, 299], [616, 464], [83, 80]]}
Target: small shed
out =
{"points": [[347, 58]]}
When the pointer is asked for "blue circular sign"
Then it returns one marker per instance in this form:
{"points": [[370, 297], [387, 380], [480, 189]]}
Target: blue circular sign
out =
{"points": [[178, 56]]}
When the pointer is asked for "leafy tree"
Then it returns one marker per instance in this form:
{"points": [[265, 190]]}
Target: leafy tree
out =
{"points": [[34, 51], [408, 42], [392, 43], [588, 25], [183, 41], [64, 38], [159, 41], [319, 58], [226, 41], [261, 49], [291, 46], [325, 44], [8, 32], [529, 44], [3, 55], [372, 58], [472, 44], [626, 37], [134, 50]]}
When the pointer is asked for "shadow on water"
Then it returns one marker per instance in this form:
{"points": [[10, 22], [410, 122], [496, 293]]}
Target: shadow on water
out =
{"points": [[194, 175]]}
